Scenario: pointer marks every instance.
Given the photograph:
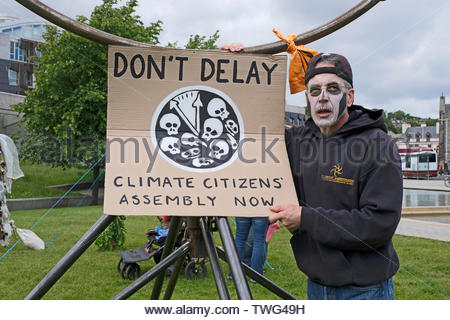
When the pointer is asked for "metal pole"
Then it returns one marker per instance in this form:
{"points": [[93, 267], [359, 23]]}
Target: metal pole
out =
{"points": [[221, 285], [174, 277], [198, 249], [70, 257], [318, 32], [174, 228], [99, 36], [261, 279], [242, 289], [160, 268]]}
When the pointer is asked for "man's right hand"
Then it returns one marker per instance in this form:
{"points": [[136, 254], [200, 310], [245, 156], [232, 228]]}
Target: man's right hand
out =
{"points": [[290, 216], [233, 47]]}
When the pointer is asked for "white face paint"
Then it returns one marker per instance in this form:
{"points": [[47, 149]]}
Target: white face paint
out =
{"points": [[325, 92]]}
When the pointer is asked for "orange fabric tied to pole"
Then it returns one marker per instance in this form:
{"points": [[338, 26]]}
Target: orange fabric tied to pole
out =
{"points": [[300, 56]]}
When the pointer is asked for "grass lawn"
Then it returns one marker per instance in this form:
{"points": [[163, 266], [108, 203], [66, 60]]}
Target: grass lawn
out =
{"points": [[39, 176], [424, 272]]}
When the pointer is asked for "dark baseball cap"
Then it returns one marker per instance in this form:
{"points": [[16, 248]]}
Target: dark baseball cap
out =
{"points": [[341, 67]]}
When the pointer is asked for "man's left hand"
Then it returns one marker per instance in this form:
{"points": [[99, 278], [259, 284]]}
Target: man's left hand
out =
{"points": [[289, 215]]}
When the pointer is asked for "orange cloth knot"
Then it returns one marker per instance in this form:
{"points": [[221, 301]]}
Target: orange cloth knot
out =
{"points": [[300, 56]]}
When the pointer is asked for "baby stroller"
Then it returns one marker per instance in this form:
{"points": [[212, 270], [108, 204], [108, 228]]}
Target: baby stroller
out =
{"points": [[129, 269]]}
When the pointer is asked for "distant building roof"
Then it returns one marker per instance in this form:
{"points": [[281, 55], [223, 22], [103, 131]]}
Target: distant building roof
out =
{"points": [[31, 29], [422, 131], [5, 18]]}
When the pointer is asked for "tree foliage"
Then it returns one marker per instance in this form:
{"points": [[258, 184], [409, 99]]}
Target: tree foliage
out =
{"points": [[199, 42], [114, 236], [390, 126], [431, 122], [202, 43], [70, 96], [413, 121]]}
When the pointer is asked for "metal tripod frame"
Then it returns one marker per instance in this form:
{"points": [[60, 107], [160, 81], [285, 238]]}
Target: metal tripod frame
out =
{"points": [[201, 231], [199, 243]]}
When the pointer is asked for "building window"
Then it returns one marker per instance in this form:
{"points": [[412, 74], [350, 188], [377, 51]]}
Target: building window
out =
{"points": [[17, 32], [37, 31], [408, 161], [27, 32], [408, 137], [13, 78], [16, 52], [428, 136], [30, 80], [417, 137]]}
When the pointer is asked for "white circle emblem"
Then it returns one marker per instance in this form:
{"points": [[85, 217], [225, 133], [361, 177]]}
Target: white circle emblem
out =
{"points": [[197, 129]]}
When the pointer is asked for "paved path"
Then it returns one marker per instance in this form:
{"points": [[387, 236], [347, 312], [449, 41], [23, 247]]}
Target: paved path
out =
{"points": [[424, 229]]}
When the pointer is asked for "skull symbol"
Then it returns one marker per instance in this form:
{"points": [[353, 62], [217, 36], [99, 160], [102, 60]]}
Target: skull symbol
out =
{"points": [[212, 128], [191, 153], [231, 126], [202, 162], [171, 123], [217, 108], [170, 144], [232, 141], [219, 149], [191, 140]]}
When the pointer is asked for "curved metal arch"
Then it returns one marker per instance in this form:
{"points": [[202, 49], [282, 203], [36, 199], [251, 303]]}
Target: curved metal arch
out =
{"points": [[319, 32], [99, 36]]}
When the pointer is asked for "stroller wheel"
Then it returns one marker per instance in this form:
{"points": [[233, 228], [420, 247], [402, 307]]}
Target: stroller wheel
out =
{"points": [[131, 271], [195, 270], [120, 265], [157, 257]]}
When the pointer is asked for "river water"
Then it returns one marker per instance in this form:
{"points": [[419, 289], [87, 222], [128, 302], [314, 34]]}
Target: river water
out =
{"points": [[425, 198]]}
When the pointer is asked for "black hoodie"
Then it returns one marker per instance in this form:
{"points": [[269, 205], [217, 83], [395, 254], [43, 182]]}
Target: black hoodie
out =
{"points": [[350, 187]]}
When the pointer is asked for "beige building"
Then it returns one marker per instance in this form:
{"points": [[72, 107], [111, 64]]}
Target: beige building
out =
{"points": [[419, 137]]}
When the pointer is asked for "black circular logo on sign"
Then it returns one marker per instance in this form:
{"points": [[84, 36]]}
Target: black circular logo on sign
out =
{"points": [[197, 129]]}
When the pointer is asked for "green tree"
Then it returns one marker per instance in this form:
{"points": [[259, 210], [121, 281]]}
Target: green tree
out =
{"points": [[65, 115], [70, 97], [390, 125], [199, 42], [431, 122]]}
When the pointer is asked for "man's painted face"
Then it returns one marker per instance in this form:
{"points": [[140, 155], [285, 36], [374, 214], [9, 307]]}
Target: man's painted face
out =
{"points": [[326, 95]]}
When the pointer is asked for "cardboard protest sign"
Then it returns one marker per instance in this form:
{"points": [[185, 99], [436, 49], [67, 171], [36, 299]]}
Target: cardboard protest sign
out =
{"points": [[195, 133]]}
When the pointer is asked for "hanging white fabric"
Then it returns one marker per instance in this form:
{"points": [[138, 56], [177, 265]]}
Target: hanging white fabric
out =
{"points": [[11, 156]]}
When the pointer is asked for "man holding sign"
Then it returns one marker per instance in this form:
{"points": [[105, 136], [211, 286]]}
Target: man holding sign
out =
{"points": [[348, 180]]}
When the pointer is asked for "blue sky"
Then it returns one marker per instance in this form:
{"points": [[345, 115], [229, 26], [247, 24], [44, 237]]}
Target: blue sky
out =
{"points": [[399, 50]]}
